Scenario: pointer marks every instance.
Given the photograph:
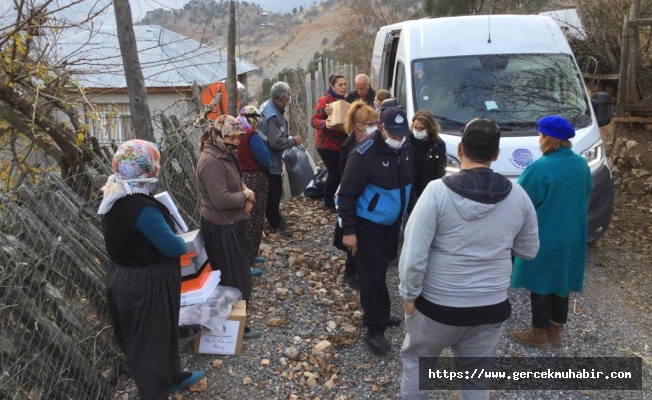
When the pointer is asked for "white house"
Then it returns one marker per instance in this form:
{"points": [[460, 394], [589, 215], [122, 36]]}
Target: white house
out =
{"points": [[170, 63]]}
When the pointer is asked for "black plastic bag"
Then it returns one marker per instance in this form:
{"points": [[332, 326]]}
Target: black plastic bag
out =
{"points": [[315, 188], [299, 169]]}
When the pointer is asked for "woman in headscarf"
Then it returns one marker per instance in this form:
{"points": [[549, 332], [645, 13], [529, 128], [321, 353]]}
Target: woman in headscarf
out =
{"points": [[559, 185], [143, 282], [254, 162], [429, 153], [226, 203], [328, 141]]}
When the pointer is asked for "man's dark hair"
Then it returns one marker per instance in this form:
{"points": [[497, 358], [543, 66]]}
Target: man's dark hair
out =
{"points": [[480, 139]]}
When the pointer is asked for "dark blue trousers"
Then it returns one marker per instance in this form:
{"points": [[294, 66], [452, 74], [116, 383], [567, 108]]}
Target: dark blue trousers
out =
{"points": [[374, 246]]}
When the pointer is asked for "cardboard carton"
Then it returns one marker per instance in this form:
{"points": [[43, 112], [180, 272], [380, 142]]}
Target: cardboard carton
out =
{"points": [[201, 295], [166, 199], [196, 257], [337, 117], [230, 341]]}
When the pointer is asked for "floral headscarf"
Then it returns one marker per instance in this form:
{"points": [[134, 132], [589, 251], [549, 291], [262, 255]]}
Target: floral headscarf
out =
{"points": [[224, 126], [250, 118], [135, 169]]}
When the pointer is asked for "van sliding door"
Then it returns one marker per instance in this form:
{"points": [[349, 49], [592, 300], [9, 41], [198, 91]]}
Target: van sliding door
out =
{"points": [[389, 59]]}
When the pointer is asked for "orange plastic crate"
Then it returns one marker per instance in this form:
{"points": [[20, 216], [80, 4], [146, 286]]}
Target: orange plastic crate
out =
{"points": [[198, 282]]}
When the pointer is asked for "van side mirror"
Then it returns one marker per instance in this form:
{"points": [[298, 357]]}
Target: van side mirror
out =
{"points": [[601, 103]]}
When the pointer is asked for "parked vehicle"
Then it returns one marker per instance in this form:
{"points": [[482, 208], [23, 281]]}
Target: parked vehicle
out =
{"points": [[512, 68]]}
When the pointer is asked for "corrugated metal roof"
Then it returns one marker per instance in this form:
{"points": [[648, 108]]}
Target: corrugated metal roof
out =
{"points": [[167, 59]]}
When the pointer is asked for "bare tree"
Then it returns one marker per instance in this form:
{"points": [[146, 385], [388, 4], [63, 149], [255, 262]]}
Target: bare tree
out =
{"points": [[39, 99], [140, 115]]}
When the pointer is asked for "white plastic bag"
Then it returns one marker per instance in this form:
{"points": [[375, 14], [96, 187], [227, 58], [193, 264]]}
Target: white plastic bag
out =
{"points": [[212, 313]]}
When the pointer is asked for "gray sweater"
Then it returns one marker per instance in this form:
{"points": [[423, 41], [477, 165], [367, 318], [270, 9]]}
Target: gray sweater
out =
{"points": [[457, 251]]}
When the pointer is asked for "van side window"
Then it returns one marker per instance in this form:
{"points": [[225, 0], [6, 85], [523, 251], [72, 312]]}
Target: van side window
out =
{"points": [[401, 90]]}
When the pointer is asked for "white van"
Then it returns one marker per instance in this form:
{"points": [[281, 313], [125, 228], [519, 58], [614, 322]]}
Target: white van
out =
{"points": [[514, 69]]}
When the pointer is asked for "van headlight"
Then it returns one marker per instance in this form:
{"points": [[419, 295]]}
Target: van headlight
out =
{"points": [[594, 156], [453, 165]]}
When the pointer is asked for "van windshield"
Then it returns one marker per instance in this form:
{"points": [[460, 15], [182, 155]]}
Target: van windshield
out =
{"points": [[513, 89]]}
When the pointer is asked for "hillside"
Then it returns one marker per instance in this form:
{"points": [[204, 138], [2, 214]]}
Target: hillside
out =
{"points": [[270, 40]]}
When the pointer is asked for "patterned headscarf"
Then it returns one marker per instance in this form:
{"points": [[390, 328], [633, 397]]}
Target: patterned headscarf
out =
{"points": [[250, 118], [135, 170], [224, 126]]}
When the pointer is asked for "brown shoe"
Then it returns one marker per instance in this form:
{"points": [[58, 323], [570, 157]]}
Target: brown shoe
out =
{"points": [[554, 333], [532, 337]]}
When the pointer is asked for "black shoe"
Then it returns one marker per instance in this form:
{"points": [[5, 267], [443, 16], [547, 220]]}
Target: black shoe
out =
{"points": [[394, 321], [352, 282], [377, 343], [282, 231], [330, 208]]}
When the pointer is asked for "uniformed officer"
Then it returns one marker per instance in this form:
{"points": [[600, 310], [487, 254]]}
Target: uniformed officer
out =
{"points": [[373, 197]]}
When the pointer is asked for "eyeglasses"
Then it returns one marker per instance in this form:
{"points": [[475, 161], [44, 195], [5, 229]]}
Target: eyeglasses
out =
{"points": [[362, 88]]}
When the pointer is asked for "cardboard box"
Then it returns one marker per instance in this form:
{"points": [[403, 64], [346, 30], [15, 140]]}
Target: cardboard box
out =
{"points": [[166, 199], [230, 341], [196, 257], [198, 282], [337, 117], [201, 295]]}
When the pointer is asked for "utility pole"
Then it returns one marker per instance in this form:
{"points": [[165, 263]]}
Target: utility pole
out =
{"points": [[140, 116], [239, 35], [231, 77]]}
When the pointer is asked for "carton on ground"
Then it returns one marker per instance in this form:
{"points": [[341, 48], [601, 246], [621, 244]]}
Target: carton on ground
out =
{"points": [[337, 117], [230, 342]]}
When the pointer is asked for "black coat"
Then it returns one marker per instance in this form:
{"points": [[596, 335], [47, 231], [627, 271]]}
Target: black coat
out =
{"points": [[434, 166]]}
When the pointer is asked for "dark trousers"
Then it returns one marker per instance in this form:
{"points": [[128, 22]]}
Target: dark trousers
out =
{"points": [[349, 265], [546, 308], [331, 160], [371, 260], [273, 209]]}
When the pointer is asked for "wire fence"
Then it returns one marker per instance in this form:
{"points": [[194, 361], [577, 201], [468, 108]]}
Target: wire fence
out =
{"points": [[56, 339]]}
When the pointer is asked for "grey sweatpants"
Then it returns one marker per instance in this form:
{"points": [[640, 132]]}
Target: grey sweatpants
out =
{"points": [[428, 338]]}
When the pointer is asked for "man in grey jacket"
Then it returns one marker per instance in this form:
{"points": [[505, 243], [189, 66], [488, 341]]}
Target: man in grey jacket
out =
{"points": [[274, 131], [455, 265]]}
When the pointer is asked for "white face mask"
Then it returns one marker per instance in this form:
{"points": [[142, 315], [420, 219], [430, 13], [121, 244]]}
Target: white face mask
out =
{"points": [[370, 130], [420, 134], [394, 144]]}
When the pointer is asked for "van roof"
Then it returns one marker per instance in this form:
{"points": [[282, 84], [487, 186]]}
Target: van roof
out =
{"points": [[469, 35]]}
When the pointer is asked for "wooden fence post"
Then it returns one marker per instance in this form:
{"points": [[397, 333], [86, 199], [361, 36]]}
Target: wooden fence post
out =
{"points": [[622, 85]]}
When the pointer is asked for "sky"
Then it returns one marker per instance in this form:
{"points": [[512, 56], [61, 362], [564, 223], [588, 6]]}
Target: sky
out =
{"points": [[139, 8]]}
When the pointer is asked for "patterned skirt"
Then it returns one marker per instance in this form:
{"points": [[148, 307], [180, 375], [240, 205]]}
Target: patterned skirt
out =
{"points": [[226, 247], [144, 306], [258, 182]]}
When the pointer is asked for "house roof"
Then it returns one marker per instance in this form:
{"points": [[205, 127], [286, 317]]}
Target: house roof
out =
{"points": [[569, 20], [167, 59]]}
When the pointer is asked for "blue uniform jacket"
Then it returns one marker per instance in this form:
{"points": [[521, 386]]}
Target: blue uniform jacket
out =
{"points": [[376, 183]]}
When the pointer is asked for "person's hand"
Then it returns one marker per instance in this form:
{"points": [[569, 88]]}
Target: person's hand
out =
{"points": [[328, 124], [249, 205], [351, 243], [408, 307], [298, 139], [329, 110], [249, 195]]}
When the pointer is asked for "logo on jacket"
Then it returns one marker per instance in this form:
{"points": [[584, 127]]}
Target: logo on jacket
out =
{"points": [[385, 163], [521, 158]]}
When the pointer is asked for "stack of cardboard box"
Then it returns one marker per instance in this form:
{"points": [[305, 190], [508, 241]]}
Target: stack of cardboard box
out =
{"points": [[198, 282]]}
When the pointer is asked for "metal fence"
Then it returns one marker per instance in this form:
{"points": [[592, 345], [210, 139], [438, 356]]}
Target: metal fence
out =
{"points": [[56, 339]]}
